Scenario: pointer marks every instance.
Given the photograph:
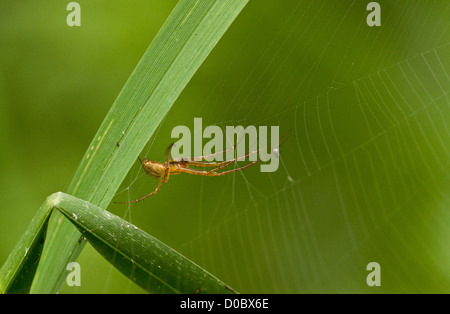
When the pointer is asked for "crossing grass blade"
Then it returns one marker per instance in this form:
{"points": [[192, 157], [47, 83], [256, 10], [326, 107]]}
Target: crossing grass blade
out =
{"points": [[185, 40], [151, 264]]}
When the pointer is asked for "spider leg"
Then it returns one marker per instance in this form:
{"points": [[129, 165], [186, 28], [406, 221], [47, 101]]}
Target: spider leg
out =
{"points": [[161, 179], [209, 164], [198, 159], [213, 173], [169, 157], [221, 164], [225, 163], [166, 176], [229, 162], [238, 169]]}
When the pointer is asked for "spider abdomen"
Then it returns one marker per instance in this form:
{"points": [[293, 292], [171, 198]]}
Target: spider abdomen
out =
{"points": [[153, 168]]}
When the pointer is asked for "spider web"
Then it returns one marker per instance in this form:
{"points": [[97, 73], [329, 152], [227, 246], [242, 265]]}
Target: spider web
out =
{"points": [[340, 196], [363, 177]]}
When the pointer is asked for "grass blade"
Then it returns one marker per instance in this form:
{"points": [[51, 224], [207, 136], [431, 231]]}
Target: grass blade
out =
{"points": [[152, 265], [149, 263], [17, 274], [185, 40]]}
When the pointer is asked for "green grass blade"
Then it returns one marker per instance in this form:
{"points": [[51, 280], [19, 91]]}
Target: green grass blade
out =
{"points": [[143, 259], [149, 263], [17, 274], [184, 41]]}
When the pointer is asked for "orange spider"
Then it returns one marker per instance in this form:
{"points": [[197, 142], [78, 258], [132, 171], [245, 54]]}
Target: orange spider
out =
{"points": [[162, 171]]}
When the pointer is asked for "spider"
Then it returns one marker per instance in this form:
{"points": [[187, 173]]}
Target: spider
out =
{"points": [[162, 171]]}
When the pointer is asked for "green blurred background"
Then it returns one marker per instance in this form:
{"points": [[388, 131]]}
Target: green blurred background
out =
{"points": [[363, 177]]}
